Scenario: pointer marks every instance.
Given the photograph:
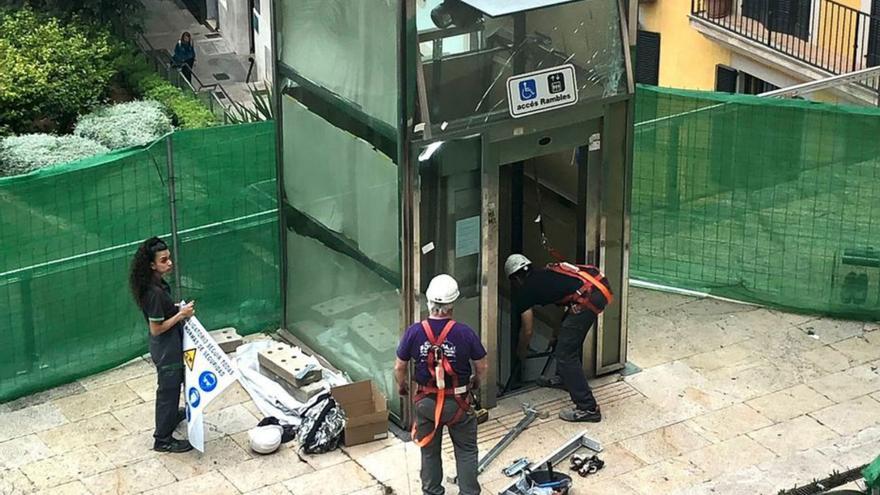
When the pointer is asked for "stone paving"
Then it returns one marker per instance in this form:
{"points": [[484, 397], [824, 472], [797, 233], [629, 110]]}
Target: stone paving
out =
{"points": [[732, 399]]}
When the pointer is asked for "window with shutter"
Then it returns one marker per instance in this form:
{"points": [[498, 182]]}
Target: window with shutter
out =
{"points": [[790, 17], [648, 58], [781, 16], [873, 56], [725, 79], [756, 9]]}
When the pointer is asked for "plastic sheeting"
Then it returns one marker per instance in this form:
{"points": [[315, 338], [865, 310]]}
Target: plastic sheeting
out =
{"points": [[67, 234], [343, 246], [269, 396], [348, 47], [758, 199]]}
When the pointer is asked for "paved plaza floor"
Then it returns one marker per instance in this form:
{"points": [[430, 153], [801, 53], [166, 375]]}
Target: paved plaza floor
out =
{"points": [[731, 399]]}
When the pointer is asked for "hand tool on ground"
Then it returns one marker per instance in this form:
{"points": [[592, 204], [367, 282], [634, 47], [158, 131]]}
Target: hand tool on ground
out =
{"points": [[516, 467], [585, 466], [531, 414], [581, 440]]}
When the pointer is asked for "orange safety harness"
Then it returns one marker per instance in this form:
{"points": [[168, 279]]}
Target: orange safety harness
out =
{"points": [[439, 366], [594, 293]]}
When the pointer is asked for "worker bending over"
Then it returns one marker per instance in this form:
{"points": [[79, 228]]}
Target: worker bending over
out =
{"points": [[584, 292]]}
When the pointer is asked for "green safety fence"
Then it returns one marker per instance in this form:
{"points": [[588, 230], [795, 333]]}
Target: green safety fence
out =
{"points": [[757, 199], [67, 235]]}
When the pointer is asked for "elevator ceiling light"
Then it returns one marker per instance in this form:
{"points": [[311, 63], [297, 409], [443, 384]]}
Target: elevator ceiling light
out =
{"points": [[495, 8], [429, 150]]}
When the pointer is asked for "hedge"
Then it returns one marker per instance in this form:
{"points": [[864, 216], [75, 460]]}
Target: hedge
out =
{"points": [[118, 126]]}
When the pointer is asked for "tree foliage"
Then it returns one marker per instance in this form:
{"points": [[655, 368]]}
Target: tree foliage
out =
{"points": [[51, 70], [118, 13]]}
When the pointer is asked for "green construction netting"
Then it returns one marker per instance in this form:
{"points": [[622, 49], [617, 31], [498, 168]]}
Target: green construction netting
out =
{"points": [[764, 200], [67, 234]]}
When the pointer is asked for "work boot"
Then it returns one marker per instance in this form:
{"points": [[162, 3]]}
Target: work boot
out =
{"points": [[173, 446], [575, 415], [554, 381]]}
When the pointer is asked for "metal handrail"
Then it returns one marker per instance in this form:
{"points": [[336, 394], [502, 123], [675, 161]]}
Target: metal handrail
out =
{"points": [[148, 50], [821, 84]]}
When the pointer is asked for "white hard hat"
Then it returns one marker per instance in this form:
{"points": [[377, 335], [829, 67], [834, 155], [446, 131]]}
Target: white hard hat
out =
{"points": [[515, 263], [443, 289], [265, 439]]}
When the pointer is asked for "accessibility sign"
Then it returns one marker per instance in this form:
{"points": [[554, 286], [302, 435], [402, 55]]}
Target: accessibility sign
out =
{"points": [[208, 372], [543, 90]]}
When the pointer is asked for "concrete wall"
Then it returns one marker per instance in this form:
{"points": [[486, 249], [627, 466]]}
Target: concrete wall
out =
{"points": [[687, 58], [263, 42], [234, 24]]}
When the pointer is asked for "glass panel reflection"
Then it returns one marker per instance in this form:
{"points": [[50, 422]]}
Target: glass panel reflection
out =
{"points": [[469, 83]]}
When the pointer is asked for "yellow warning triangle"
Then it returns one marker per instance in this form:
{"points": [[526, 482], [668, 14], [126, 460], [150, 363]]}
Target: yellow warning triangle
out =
{"points": [[189, 357]]}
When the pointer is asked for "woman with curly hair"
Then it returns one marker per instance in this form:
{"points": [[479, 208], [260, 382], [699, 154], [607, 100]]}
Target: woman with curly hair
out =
{"points": [[151, 292]]}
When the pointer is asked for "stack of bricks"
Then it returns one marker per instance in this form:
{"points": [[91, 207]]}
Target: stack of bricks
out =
{"points": [[228, 339], [300, 375]]}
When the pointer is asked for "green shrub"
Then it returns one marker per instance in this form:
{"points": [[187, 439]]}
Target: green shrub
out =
{"points": [[22, 154], [134, 123], [51, 71], [186, 111], [132, 67]]}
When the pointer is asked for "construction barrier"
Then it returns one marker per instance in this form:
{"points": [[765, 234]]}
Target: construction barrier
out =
{"points": [[68, 233], [758, 199]]}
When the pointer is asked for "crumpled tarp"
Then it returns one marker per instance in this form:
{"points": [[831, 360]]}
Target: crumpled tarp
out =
{"points": [[270, 397]]}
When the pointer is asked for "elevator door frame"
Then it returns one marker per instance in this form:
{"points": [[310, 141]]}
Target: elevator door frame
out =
{"points": [[501, 149], [502, 152]]}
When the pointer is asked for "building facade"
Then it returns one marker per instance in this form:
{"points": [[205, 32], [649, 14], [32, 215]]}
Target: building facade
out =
{"points": [[753, 46]]}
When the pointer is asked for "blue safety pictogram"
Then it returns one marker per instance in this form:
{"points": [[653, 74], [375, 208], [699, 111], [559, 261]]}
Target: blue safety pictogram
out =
{"points": [[194, 397], [207, 381], [187, 413], [528, 90]]}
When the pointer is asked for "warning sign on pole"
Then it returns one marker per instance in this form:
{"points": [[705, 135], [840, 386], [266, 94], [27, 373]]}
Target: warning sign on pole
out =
{"points": [[208, 372]]}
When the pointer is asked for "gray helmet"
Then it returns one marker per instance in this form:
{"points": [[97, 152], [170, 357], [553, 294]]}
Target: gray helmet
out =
{"points": [[515, 263]]}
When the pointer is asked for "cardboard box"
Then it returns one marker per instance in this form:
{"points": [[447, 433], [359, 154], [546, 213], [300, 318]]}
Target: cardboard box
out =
{"points": [[366, 410]]}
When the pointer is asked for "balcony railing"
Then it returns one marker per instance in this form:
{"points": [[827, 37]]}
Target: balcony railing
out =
{"points": [[823, 34]]}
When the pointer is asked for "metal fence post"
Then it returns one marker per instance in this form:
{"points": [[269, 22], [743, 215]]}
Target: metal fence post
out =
{"points": [[172, 206]]}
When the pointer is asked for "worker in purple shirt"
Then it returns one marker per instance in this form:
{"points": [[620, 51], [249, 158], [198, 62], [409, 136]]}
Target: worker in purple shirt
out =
{"points": [[449, 360]]}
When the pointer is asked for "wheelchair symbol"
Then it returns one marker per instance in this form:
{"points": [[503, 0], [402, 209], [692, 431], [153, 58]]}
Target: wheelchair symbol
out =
{"points": [[527, 90]]}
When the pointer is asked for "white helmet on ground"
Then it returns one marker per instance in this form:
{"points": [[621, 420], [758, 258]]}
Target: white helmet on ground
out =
{"points": [[515, 263], [265, 439], [443, 289]]}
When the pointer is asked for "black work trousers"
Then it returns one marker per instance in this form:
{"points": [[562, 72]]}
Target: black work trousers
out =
{"points": [[170, 380], [464, 441], [568, 352]]}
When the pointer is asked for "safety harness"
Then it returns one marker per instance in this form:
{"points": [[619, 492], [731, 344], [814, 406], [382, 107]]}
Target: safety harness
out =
{"points": [[439, 366], [594, 293]]}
